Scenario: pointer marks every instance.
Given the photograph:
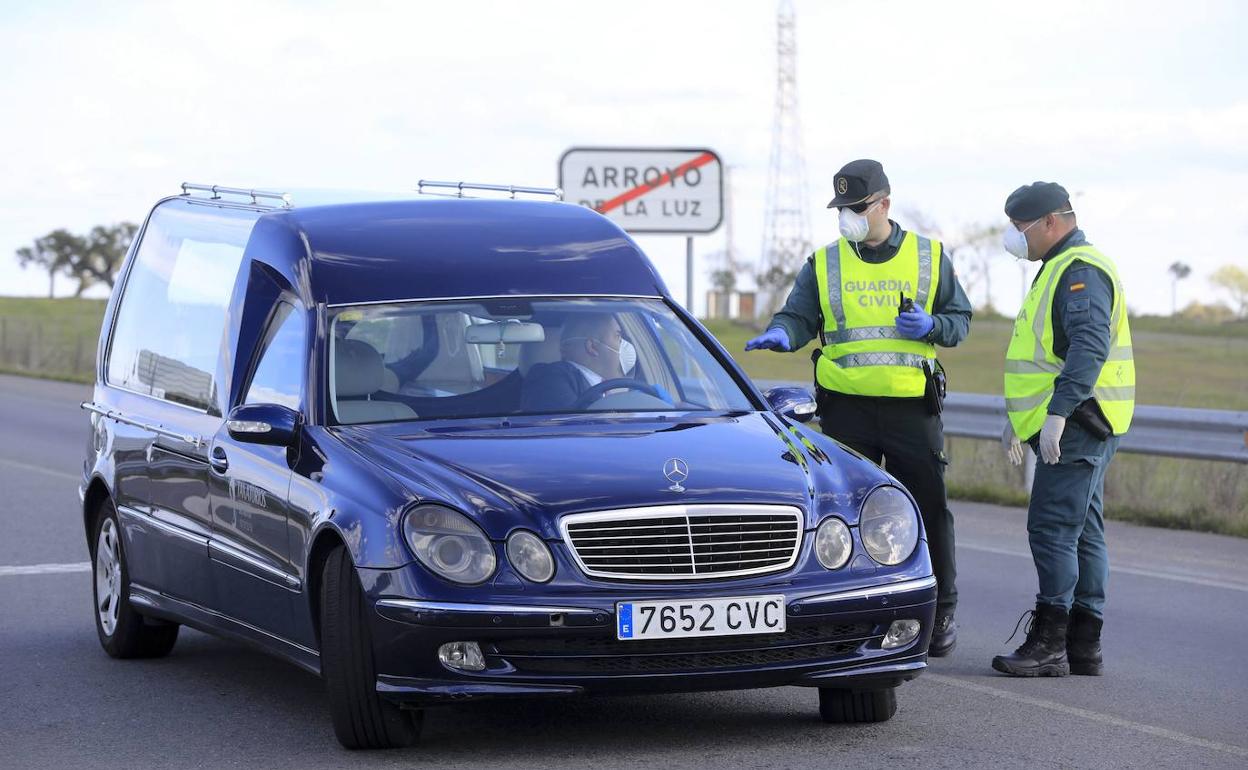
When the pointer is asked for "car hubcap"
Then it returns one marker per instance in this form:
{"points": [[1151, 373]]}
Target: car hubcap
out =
{"points": [[107, 577]]}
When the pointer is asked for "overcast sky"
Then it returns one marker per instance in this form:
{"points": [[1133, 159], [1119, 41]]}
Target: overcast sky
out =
{"points": [[1141, 108]]}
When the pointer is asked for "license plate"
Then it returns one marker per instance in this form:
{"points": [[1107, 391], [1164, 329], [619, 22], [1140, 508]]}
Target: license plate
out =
{"points": [[700, 617]]}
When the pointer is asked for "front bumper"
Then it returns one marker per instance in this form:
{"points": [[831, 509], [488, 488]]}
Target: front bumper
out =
{"points": [[570, 647]]}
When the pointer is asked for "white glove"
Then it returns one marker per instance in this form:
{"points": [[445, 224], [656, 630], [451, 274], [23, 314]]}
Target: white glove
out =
{"points": [[1012, 446], [1051, 438]]}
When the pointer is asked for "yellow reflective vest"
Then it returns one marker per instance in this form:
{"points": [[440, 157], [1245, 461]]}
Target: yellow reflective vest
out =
{"points": [[1031, 366], [862, 352]]}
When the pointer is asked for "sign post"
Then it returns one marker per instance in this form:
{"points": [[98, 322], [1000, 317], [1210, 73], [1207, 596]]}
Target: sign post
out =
{"points": [[673, 191], [689, 272]]}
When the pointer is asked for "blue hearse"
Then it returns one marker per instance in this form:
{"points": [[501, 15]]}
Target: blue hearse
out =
{"points": [[437, 448]]}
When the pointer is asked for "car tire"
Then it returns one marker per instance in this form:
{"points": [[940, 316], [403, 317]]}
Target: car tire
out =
{"points": [[362, 719], [857, 706], [123, 632]]}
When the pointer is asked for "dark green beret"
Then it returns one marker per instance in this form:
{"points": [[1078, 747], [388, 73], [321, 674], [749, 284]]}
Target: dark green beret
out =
{"points": [[1032, 201]]}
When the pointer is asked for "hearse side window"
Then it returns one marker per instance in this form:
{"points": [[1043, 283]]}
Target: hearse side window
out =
{"points": [[279, 375], [167, 336]]}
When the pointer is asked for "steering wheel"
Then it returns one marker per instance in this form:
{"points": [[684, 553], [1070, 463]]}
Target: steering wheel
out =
{"points": [[597, 391]]}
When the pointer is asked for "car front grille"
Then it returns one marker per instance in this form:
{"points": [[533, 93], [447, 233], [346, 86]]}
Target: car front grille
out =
{"points": [[677, 542], [604, 655]]}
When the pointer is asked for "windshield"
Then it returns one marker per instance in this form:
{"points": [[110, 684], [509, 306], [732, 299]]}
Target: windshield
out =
{"points": [[517, 356]]}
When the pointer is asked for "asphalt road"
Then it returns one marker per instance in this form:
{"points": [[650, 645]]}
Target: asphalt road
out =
{"points": [[1175, 695]]}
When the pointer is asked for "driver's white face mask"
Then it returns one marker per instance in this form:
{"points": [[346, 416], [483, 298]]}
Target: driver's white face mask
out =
{"points": [[627, 354]]}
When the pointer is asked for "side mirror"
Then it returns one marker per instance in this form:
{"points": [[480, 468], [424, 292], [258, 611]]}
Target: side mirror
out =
{"points": [[794, 403], [270, 424]]}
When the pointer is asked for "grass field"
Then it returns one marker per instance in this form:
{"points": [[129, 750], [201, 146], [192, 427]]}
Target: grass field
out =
{"points": [[49, 338], [1179, 364], [1172, 368]]}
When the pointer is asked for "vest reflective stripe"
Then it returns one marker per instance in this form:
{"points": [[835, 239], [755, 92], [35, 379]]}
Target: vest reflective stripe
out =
{"points": [[925, 273], [1108, 393], [881, 359], [1032, 368], [831, 299], [862, 352], [1042, 399], [863, 333], [1117, 353], [1028, 403]]}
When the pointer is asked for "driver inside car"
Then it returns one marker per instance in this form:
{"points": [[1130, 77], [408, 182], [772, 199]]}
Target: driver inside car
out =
{"points": [[593, 350]]}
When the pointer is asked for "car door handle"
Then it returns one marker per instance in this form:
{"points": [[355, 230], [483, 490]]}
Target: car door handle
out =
{"points": [[217, 459]]}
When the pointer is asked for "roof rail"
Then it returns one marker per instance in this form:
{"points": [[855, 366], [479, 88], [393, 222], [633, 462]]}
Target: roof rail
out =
{"points": [[511, 190], [217, 191]]}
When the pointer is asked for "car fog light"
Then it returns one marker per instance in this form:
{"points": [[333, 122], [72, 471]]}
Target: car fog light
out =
{"points": [[900, 633], [465, 656], [530, 556]]}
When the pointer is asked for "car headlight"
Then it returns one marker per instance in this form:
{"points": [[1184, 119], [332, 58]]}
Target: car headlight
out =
{"points": [[833, 545], [448, 543], [889, 525], [530, 556]]}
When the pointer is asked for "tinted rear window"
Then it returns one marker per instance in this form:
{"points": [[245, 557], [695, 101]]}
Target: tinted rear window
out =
{"points": [[167, 337]]}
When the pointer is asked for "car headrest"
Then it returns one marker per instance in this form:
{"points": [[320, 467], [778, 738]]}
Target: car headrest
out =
{"points": [[544, 352], [358, 369], [389, 380]]}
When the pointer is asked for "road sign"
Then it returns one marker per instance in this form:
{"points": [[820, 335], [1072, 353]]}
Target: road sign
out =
{"points": [[647, 190]]}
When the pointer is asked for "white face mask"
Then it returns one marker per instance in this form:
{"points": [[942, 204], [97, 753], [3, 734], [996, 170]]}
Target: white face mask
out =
{"points": [[1015, 242], [627, 354], [855, 227]]}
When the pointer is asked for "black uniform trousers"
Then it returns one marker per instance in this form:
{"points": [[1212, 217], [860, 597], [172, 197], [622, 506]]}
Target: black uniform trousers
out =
{"points": [[909, 441]]}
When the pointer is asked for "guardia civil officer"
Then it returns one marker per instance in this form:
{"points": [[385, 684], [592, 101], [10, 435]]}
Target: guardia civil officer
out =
{"points": [[871, 370], [1070, 393]]}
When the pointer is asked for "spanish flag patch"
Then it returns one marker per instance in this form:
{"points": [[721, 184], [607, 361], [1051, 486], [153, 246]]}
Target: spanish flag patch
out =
{"points": [[1077, 286]]}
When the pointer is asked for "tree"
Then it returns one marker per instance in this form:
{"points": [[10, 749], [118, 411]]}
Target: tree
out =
{"points": [[724, 280], [1178, 271], [774, 283], [51, 253], [976, 247], [1214, 312], [105, 248], [89, 259], [1234, 281], [973, 249]]}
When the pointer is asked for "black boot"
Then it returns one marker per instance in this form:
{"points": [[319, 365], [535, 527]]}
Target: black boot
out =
{"points": [[1083, 643], [944, 634], [1044, 651]]}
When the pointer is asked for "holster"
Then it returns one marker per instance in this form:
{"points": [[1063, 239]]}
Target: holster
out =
{"points": [[935, 388], [1090, 417]]}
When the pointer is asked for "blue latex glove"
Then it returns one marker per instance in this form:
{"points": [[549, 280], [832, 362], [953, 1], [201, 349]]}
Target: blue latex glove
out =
{"points": [[915, 324], [774, 338]]}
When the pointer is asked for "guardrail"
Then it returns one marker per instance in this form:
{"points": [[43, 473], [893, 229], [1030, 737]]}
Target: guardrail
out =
{"points": [[1168, 431]]}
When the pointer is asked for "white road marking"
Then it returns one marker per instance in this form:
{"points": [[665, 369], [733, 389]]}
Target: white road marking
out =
{"points": [[1192, 579], [44, 569], [39, 469], [1095, 716]]}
